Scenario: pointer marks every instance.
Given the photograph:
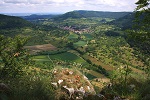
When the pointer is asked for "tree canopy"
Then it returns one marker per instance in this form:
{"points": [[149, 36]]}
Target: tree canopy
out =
{"points": [[12, 55], [141, 30]]}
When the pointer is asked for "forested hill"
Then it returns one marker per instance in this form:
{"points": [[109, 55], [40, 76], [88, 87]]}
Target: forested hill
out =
{"points": [[35, 17], [86, 14], [124, 22], [10, 22]]}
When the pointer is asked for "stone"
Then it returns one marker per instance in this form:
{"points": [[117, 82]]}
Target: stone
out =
{"points": [[60, 81], [55, 84], [69, 90], [70, 72], [88, 88]]}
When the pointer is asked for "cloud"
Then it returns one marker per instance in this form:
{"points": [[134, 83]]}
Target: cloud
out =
{"points": [[1, 3], [35, 1], [14, 1], [66, 5]]}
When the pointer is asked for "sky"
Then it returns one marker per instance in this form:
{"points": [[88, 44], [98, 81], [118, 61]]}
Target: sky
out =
{"points": [[62, 6]]}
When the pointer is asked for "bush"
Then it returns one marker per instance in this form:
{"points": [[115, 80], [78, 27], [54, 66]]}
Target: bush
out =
{"points": [[14, 58], [31, 87]]}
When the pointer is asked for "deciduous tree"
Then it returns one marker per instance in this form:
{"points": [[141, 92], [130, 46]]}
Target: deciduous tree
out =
{"points": [[12, 55]]}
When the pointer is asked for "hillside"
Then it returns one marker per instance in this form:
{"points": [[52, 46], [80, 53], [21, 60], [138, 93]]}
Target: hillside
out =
{"points": [[129, 22], [124, 22], [87, 14], [78, 55], [12, 26], [11, 22], [103, 14], [37, 17]]}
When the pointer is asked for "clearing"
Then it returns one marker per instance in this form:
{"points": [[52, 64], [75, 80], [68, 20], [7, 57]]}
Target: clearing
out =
{"points": [[38, 48]]}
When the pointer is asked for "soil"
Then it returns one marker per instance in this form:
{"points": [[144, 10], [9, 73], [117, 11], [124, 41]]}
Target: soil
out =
{"points": [[38, 48]]}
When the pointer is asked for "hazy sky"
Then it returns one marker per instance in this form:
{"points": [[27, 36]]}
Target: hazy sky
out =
{"points": [[61, 6]]}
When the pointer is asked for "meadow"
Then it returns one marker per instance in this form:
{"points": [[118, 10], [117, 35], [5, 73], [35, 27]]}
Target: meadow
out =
{"points": [[80, 43], [72, 36], [66, 56]]}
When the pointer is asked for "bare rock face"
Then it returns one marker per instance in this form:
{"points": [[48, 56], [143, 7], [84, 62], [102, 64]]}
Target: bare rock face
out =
{"points": [[72, 84], [70, 91]]}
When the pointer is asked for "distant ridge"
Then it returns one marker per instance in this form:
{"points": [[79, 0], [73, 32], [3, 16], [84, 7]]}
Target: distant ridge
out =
{"points": [[125, 22], [36, 16], [86, 14]]}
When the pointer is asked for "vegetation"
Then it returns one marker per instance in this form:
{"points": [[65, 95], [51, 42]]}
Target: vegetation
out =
{"points": [[13, 22], [125, 22], [140, 30], [140, 36], [13, 56], [34, 17], [78, 43], [86, 14], [66, 56]]}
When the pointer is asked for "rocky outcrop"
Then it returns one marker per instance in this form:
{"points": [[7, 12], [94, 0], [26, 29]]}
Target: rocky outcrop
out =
{"points": [[72, 83]]}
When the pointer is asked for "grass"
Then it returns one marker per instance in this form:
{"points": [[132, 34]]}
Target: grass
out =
{"points": [[80, 43], [90, 76], [72, 36], [98, 62], [67, 56], [96, 74], [88, 36], [75, 80], [40, 57], [31, 87], [42, 61]]}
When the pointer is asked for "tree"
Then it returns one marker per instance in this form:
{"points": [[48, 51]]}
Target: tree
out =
{"points": [[143, 18], [140, 35], [12, 55], [143, 5]]}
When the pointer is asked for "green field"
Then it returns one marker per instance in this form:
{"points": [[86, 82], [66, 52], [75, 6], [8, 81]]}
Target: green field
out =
{"points": [[72, 36], [80, 43], [88, 36], [67, 56], [90, 76], [41, 58]]}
